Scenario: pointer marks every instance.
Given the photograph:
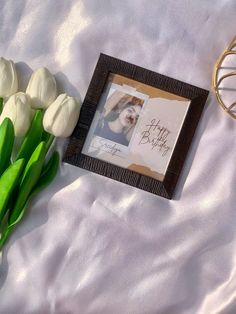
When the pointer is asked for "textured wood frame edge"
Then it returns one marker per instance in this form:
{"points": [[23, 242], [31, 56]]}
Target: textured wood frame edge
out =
{"points": [[106, 65]]}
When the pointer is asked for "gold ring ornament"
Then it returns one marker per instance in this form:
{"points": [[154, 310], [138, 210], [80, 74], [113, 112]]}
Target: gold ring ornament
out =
{"points": [[224, 79]]}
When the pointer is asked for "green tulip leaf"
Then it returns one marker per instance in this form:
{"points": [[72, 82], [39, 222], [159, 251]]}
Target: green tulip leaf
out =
{"points": [[8, 181], [29, 180], [48, 139], [32, 137], [45, 179], [47, 175], [6, 143]]}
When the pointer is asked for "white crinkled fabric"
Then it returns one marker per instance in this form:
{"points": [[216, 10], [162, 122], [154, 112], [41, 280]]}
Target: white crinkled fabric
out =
{"points": [[90, 245]]}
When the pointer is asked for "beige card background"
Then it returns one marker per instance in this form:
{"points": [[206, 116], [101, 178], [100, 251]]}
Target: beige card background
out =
{"points": [[152, 92], [170, 109]]}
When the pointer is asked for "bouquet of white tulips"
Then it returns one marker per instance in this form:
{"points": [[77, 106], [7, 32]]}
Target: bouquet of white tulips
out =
{"points": [[37, 117]]}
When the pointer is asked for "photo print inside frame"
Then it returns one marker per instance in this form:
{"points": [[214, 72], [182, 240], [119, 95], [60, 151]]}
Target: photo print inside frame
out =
{"points": [[136, 126]]}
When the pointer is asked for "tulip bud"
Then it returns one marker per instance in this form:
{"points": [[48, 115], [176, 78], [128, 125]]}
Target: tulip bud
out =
{"points": [[61, 117], [42, 88], [8, 78], [18, 109]]}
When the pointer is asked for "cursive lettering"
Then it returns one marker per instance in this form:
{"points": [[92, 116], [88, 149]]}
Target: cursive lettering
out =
{"points": [[156, 135], [110, 148]]}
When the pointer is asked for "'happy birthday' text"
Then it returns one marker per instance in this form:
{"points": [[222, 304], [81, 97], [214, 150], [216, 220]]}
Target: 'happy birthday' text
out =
{"points": [[156, 135]]}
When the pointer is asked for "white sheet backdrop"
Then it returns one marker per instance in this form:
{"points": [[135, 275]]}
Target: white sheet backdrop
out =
{"points": [[93, 245]]}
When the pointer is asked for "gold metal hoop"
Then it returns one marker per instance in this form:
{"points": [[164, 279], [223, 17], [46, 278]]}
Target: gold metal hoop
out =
{"points": [[217, 80]]}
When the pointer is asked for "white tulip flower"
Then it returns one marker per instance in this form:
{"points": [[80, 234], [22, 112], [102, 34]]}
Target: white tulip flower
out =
{"points": [[18, 109], [61, 117], [8, 78], [42, 88]]}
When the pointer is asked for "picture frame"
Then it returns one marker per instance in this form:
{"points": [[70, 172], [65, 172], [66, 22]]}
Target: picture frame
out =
{"points": [[136, 126]]}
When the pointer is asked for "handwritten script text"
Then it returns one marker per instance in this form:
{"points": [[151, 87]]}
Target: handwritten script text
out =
{"points": [[110, 148], [156, 135]]}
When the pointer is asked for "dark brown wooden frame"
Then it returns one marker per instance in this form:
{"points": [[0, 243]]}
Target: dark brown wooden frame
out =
{"points": [[104, 67]]}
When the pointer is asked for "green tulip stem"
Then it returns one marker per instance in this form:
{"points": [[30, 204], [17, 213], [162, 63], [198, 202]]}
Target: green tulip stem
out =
{"points": [[1, 105], [49, 141], [4, 237]]}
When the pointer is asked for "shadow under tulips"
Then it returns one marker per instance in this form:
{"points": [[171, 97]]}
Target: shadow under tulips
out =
{"points": [[24, 72], [63, 83], [3, 267], [64, 86]]}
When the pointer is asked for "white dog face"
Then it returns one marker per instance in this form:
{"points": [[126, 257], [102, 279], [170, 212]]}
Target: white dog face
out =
{"points": [[129, 116]]}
